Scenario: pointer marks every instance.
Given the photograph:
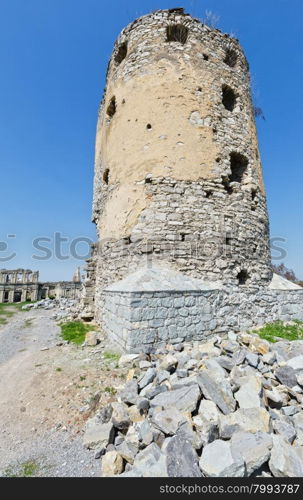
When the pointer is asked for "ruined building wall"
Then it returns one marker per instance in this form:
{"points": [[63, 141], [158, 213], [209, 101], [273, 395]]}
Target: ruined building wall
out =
{"points": [[178, 176]]}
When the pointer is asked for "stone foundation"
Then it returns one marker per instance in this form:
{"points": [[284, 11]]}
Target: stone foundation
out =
{"points": [[139, 320]]}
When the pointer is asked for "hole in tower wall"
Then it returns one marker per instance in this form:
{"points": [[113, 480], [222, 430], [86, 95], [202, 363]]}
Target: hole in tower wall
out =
{"points": [[238, 166], [106, 176], [176, 33], [228, 98], [242, 277], [205, 57], [231, 58], [111, 108], [253, 194], [148, 126], [121, 53], [209, 194], [182, 236]]}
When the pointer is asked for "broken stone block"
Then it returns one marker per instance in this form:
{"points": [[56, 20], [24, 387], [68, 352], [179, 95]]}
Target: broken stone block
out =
{"points": [[98, 434], [168, 363], [253, 359], [91, 339], [296, 363], [128, 359], [168, 421], [285, 428], [245, 419], [297, 420], [112, 464], [253, 448], [150, 462], [120, 416], [220, 460], [208, 411], [248, 396], [285, 461], [218, 390], [129, 394], [286, 376], [128, 451], [184, 399], [181, 458]]}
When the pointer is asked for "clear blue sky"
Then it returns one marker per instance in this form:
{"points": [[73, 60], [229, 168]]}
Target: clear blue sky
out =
{"points": [[53, 57]]}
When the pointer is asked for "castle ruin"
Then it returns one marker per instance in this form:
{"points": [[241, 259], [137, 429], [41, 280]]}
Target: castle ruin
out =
{"points": [[179, 201], [21, 285]]}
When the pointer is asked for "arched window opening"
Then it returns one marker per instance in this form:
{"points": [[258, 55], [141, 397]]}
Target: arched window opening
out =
{"points": [[238, 166], [231, 58], [106, 176], [229, 98], [242, 277], [121, 53], [176, 33], [111, 108]]}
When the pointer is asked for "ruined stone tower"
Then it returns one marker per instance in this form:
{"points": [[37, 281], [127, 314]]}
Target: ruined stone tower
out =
{"points": [[178, 178]]}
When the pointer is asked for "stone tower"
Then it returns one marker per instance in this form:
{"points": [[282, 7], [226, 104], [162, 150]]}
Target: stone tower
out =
{"points": [[178, 177]]}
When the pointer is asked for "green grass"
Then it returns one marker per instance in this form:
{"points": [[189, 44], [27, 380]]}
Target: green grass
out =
{"points": [[75, 331], [110, 390], [111, 356], [25, 469], [14, 307], [271, 331], [28, 323]]}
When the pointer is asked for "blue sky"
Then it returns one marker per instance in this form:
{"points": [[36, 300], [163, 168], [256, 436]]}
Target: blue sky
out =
{"points": [[53, 56]]}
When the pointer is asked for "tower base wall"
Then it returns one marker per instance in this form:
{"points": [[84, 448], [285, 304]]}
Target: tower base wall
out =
{"points": [[140, 321]]}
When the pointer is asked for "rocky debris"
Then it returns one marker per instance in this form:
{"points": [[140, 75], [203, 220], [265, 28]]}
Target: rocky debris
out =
{"points": [[245, 419], [253, 448], [98, 434], [112, 464], [217, 389], [285, 460], [228, 407], [184, 399], [219, 459], [181, 459], [91, 339]]}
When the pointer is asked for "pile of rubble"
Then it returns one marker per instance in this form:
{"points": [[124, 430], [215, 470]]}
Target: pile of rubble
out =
{"points": [[227, 407], [65, 309]]}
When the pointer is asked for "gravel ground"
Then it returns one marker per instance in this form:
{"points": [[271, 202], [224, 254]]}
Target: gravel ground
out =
{"points": [[46, 394]]}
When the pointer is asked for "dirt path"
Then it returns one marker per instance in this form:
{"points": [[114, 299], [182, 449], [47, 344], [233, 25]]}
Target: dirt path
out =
{"points": [[47, 391]]}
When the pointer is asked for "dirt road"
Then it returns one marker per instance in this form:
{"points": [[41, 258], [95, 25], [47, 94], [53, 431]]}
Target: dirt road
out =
{"points": [[47, 391]]}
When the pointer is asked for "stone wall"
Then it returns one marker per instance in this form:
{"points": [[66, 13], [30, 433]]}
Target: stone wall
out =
{"points": [[138, 321]]}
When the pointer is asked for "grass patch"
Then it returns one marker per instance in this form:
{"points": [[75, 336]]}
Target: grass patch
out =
{"points": [[271, 331], [8, 309], [75, 331], [58, 369], [25, 469], [111, 356], [28, 323], [110, 390]]}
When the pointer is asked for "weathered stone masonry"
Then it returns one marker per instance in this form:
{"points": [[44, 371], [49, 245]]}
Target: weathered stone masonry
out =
{"points": [[138, 321], [178, 178]]}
